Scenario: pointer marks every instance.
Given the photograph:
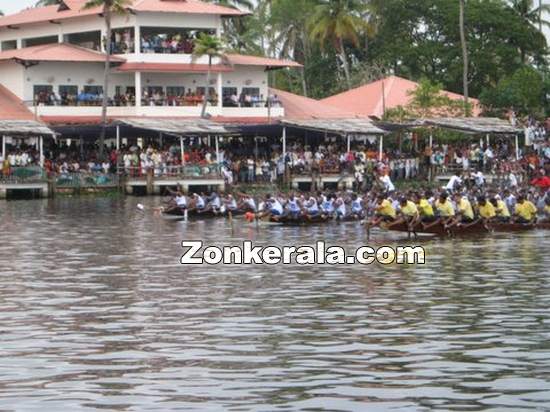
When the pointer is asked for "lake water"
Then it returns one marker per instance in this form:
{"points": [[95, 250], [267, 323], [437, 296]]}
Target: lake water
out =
{"points": [[97, 313]]}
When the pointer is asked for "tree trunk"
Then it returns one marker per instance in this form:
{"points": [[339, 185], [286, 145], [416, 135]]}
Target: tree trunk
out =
{"points": [[305, 45], [464, 56], [345, 62], [106, 74], [207, 89]]}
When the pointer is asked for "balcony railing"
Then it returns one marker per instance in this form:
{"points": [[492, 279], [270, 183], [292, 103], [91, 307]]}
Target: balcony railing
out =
{"points": [[24, 174], [189, 171]]}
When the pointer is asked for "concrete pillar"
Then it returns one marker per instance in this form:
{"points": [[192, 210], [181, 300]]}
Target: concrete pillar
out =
{"points": [[488, 139], [137, 39], [3, 193], [182, 150], [217, 149], [3, 147], [219, 87], [137, 85], [284, 143], [160, 139], [19, 43], [349, 143], [517, 147], [41, 151], [381, 148], [118, 137], [431, 139]]}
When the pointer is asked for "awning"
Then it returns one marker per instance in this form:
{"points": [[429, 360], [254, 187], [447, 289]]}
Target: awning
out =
{"points": [[474, 125], [342, 127], [24, 128], [176, 127]]}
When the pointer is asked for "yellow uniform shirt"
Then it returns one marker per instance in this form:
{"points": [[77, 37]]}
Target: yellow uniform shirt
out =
{"points": [[526, 210], [425, 208], [501, 209], [445, 209], [386, 209], [409, 209], [547, 210], [487, 211], [465, 208]]}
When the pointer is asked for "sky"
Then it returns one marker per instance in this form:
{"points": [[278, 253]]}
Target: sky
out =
{"points": [[13, 6]]}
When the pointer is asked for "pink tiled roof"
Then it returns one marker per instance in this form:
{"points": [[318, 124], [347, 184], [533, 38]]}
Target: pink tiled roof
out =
{"points": [[12, 108], [172, 67], [368, 100], [74, 8], [300, 107], [58, 52], [243, 60]]}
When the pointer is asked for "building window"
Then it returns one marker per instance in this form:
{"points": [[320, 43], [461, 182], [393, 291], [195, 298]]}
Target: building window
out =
{"points": [[89, 40], [95, 90], [39, 41], [175, 91], [68, 95], [230, 97], [9, 45], [43, 94], [170, 39], [122, 41]]}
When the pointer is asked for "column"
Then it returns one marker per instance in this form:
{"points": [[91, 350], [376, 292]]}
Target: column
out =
{"points": [[137, 39], [41, 151], [349, 142], [381, 148], [118, 137], [431, 139], [19, 43], [161, 136], [182, 149], [137, 85], [488, 139], [517, 147], [217, 150], [284, 143], [4, 147], [103, 40], [220, 91]]}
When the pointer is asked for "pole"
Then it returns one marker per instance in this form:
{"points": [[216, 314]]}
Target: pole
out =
{"points": [[349, 142], [381, 149], [431, 139], [284, 144], [517, 147], [182, 149], [161, 138], [118, 138], [217, 141], [488, 139], [3, 147], [41, 151]]}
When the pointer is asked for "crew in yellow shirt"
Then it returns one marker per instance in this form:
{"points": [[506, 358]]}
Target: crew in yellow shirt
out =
{"points": [[385, 208], [464, 208], [526, 212], [408, 209], [444, 207], [503, 214], [546, 210], [486, 209]]}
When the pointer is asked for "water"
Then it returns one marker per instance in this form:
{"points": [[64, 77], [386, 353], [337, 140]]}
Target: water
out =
{"points": [[97, 313]]}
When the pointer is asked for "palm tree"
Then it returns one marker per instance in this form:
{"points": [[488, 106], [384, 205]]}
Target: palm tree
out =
{"points": [[338, 21], [464, 56], [41, 3], [109, 7], [240, 4], [530, 14], [211, 46]]}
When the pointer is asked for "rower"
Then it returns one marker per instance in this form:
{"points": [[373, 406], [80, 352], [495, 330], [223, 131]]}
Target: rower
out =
{"points": [[425, 210], [341, 211], [486, 209], [249, 204], [181, 200], [408, 212], [464, 210], [312, 208], [546, 211], [384, 211], [444, 209], [293, 207], [230, 203], [200, 204], [526, 212], [215, 203], [501, 210], [356, 206], [327, 207]]}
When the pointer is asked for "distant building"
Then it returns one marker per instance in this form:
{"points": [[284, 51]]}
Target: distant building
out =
{"points": [[373, 99]]}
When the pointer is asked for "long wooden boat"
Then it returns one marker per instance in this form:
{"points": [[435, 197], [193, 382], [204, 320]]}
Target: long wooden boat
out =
{"points": [[302, 220], [476, 228], [208, 214], [544, 226]]}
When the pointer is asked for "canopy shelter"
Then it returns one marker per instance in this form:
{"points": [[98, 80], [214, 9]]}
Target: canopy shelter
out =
{"points": [[175, 127], [347, 128], [25, 128]]}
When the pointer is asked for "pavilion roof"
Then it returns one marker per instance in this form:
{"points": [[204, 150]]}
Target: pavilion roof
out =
{"points": [[176, 127]]}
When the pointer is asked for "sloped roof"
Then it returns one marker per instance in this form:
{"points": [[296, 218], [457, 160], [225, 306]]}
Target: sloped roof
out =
{"points": [[58, 52], [12, 108], [243, 60], [16, 118], [300, 107], [475, 125], [390, 92], [74, 8], [176, 126]]}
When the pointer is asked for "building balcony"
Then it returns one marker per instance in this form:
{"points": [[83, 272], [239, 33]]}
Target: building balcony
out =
{"points": [[158, 111]]}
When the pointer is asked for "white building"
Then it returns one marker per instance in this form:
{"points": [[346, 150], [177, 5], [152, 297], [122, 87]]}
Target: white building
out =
{"points": [[52, 58]]}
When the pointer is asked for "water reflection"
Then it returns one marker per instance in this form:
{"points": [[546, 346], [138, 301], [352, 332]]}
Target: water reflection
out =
{"points": [[96, 313]]}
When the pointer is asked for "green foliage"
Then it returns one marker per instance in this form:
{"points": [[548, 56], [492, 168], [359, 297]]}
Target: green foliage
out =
{"points": [[523, 92]]}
